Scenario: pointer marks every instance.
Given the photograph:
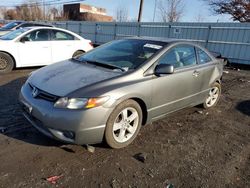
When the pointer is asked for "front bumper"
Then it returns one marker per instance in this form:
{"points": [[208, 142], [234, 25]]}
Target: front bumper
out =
{"points": [[85, 126]]}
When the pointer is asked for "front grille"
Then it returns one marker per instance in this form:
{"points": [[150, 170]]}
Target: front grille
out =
{"points": [[43, 95]]}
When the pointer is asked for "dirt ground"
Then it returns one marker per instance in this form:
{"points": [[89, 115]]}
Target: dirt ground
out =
{"points": [[190, 148]]}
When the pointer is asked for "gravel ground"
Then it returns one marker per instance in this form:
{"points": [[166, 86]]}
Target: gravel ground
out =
{"points": [[190, 148]]}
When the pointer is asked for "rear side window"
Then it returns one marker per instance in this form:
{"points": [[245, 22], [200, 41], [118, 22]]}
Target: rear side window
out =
{"points": [[60, 35], [203, 56], [41, 25], [180, 56]]}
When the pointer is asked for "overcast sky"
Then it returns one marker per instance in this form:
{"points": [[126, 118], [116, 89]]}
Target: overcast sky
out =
{"points": [[193, 8]]}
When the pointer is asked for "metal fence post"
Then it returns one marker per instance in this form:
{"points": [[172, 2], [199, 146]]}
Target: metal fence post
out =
{"points": [[66, 25], [115, 30], [80, 28], [208, 35], [139, 29], [169, 30], [95, 32]]}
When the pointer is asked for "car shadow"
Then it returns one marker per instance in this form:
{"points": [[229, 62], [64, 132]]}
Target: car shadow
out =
{"points": [[244, 107], [12, 122]]}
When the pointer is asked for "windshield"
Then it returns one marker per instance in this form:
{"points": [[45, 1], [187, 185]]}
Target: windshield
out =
{"points": [[124, 54], [11, 25], [12, 35]]}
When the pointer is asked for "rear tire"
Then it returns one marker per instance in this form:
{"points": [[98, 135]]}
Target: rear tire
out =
{"points": [[123, 124], [213, 96], [78, 53], [6, 63]]}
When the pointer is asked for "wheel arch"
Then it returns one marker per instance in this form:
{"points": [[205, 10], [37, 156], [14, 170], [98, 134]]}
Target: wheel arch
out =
{"points": [[80, 50], [143, 108], [218, 81], [12, 57]]}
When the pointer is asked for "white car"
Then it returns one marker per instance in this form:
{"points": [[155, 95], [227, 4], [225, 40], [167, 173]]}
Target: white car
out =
{"points": [[37, 46]]}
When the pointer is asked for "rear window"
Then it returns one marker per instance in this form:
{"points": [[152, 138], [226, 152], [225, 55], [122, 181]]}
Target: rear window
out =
{"points": [[60, 35]]}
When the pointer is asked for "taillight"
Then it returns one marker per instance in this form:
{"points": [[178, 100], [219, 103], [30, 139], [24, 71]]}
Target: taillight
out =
{"points": [[91, 44]]}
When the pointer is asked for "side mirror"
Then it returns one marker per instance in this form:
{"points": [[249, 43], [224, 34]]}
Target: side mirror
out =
{"points": [[164, 69], [24, 39]]}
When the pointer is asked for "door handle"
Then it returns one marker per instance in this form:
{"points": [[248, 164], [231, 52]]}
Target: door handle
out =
{"points": [[196, 73]]}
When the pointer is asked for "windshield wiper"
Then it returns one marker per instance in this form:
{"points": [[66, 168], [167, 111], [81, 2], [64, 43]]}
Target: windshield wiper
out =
{"points": [[109, 66]]}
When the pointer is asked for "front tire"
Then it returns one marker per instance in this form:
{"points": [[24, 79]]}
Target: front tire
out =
{"points": [[213, 96], [6, 63], [123, 124]]}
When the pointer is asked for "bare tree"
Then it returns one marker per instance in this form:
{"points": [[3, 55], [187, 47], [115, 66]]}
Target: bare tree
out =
{"points": [[199, 18], [121, 14], [53, 13], [171, 10], [238, 9], [2, 12], [27, 11], [10, 15]]}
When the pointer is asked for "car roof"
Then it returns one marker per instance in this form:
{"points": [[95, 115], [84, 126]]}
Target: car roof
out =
{"points": [[55, 28], [39, 23], [45, 27], [162, 39], [16, 21]]}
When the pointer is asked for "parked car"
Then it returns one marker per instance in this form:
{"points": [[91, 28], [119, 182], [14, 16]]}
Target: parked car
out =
{"points": [[111, 91], [2, 23], [11, 26], [37, 46]]}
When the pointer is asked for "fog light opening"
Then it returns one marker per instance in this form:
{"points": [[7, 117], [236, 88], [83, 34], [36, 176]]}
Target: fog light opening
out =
{"points": [[69, 134]]}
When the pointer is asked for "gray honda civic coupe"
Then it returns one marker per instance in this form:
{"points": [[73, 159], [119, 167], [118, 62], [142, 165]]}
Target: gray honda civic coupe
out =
{"points": [[108, 93]]}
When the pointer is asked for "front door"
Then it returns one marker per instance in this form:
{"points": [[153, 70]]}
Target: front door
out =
{"points": [[180, 89], [36, 50]]}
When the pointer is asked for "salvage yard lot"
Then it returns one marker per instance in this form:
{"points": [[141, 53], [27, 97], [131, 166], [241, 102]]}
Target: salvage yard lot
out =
{"points": [[190, 148]]}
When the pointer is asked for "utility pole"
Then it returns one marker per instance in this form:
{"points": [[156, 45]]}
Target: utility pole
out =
{"points": [[140, 10], [44, 10]]}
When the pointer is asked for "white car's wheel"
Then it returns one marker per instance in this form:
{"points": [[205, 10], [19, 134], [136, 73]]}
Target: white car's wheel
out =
{"points": [[123, 124], [6, 63], [213, 96], [78, 53]]}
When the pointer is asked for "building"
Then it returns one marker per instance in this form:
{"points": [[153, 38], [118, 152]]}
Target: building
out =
{"points": [[82, 12]]}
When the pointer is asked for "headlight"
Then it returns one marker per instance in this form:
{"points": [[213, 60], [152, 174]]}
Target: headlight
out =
{"points": [[80, 103]]}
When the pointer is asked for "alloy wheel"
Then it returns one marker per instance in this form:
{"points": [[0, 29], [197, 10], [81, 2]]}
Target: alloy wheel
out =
{"points": [[125, 125], [3, 63], [213, 96]]}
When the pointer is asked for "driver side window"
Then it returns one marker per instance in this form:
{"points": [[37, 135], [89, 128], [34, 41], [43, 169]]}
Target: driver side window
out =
{"points": [[38, 35], [179, 56]]}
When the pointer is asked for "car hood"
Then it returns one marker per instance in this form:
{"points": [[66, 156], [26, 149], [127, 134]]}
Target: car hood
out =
{"points": [[63, 78], [2, 29], [3, 32]]}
